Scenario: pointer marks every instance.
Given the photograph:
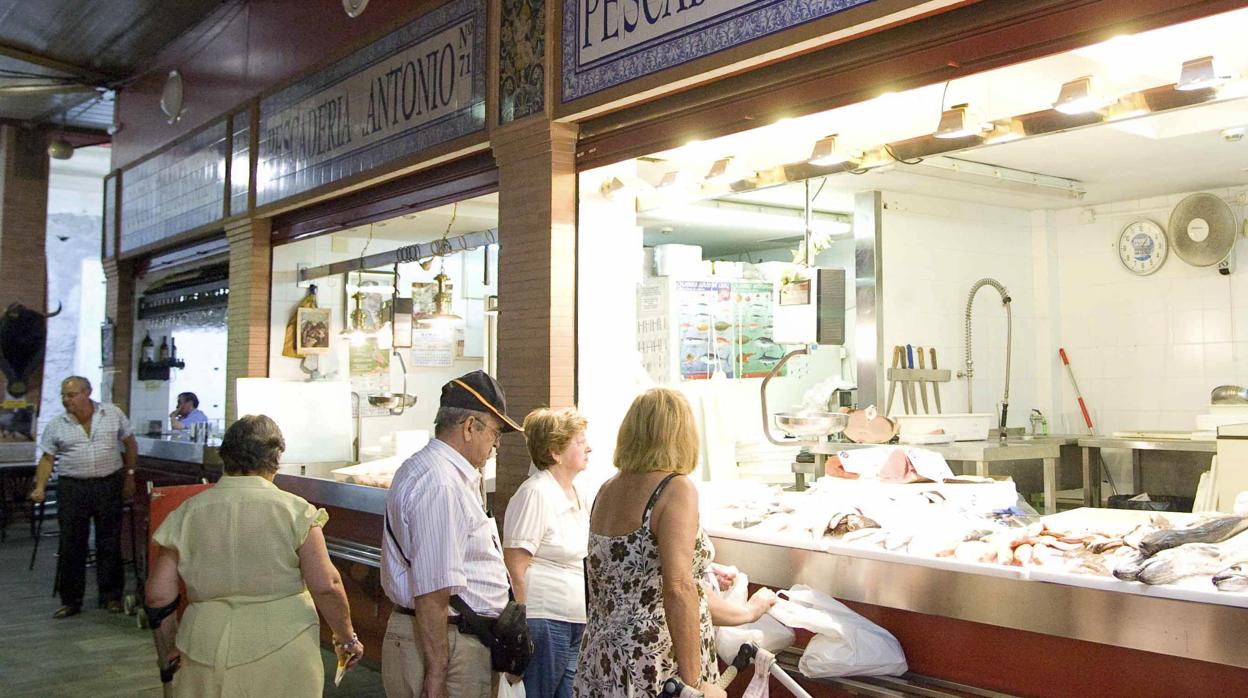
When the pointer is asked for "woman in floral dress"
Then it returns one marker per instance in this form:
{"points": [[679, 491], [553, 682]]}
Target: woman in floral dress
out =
{"points": [[648, 619]]}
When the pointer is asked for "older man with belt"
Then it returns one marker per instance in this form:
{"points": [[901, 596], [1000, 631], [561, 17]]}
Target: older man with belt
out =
{"points": [[96, 478], [441, 542]]}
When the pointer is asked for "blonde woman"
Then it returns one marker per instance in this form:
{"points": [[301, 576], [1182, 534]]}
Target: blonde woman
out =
{"points": [[544, 542], [648, 615]]}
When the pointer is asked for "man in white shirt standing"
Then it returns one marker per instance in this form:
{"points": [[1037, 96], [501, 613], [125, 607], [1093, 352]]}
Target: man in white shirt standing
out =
{"points": [[440, 542], [96, 478]]}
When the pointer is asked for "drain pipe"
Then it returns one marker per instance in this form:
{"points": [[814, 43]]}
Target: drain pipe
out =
{"points": [[1009, 340]]}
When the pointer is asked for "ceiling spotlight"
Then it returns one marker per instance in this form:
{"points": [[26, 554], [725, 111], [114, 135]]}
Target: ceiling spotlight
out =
{"points": [[670, 179], [719, 171], [956, 122], [611, 187], [1078, 97], [59, 149], [826, 154], [1200, 74]]}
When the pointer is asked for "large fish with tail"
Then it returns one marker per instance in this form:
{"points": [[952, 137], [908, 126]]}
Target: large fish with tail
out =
{"points": [[1214, 530]]}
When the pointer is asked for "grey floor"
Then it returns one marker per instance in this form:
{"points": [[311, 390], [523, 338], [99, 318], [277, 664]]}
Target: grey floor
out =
{"points": [[93, 654]]}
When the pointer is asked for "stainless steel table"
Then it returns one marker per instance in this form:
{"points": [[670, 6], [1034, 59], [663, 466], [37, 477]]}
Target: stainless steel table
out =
{"points": [[1092, 445]]}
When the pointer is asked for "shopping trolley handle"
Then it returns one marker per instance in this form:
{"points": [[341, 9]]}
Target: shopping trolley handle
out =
{"points": [[745, 654], [677, 688]]}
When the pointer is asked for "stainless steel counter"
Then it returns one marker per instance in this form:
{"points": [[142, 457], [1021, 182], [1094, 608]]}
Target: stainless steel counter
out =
{"points": [[313, 483], [176, 448], [1092, 445], [1207, 632]]}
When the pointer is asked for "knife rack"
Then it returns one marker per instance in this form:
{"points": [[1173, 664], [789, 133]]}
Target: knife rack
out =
{"points": [[922, 376]]}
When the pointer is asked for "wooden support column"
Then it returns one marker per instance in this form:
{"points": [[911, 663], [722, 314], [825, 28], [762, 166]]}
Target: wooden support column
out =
{"points": [[247, 352], [536, 279], [119, 307], [23, 229]]}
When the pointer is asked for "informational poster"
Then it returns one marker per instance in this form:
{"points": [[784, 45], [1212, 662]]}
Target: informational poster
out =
{"points": [[757, 352], [368, 359], [432, 348], [707, 331]]}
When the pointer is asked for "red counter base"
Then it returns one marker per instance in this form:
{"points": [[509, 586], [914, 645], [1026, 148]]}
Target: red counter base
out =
{"points": [[1030, 664]]}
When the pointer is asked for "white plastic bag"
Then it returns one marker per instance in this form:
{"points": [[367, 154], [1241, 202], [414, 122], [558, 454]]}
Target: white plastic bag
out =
{"points": [[509, 690], [845, 643], [766, 632]]}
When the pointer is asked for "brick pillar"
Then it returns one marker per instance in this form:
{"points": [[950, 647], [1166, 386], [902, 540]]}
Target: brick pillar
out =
{"points": [[23, 229], [119, 307], [247, 354], [536, 278]]}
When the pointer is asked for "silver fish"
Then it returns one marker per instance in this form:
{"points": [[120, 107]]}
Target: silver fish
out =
{"points": [[1188, 560], [1233, 578], [1129, 569], [1214, 530]]}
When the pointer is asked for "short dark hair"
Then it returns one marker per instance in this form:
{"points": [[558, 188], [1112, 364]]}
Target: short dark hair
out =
{"points": [[189, 396], [252, 446]]}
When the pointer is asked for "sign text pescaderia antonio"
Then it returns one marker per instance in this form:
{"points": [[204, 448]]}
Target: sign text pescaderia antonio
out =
{"points": [[419, 86]]}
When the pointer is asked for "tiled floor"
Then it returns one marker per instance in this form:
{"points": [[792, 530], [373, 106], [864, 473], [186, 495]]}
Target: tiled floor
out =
{"points": [[93, 654]]}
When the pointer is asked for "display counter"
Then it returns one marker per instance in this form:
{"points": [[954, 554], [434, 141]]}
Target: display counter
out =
{"points": [[173, 459], [998, 627]]}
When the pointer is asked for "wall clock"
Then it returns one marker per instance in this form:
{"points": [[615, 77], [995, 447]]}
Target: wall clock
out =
{"points": [[1142, 247]]}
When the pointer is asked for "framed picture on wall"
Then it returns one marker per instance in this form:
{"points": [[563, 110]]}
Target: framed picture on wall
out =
{"points": [[376, 290], [312, 331]]}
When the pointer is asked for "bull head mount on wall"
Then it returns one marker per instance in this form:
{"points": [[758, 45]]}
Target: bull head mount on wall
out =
{"points": [[23, 333]]}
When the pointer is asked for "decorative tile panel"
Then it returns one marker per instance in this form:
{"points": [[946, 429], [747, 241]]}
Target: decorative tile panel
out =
{"points": [[181, 189], [605, 43], [521, 60], [240, 163], [419, 86]]}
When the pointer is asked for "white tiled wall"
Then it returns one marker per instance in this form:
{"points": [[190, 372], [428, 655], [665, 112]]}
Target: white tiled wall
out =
{"points": [[934, 250], [1147, 350]]}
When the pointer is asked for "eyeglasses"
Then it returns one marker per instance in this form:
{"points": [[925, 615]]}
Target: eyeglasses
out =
{"points": [[498, 431]]}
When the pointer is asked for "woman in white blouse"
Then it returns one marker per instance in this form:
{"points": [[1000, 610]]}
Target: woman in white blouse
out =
{"points": [[545, 536]]}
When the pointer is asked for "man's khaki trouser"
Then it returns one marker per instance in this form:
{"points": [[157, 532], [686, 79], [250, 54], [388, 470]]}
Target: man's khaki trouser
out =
{"points": [[403, 666]]}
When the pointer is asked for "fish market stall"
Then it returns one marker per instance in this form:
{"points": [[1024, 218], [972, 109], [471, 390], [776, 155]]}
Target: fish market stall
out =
{"points": [[977, 591]]}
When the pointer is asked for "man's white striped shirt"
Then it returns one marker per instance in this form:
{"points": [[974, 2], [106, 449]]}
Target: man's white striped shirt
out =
{"points": [[80, 455], [434, 510]]}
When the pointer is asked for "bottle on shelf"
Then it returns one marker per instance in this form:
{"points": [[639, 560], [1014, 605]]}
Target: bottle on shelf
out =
{"points": [[164, 348], [147, 349], [173, 349]]}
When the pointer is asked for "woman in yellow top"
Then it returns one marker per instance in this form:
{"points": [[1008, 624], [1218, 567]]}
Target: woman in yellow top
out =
{"points": [[256, 570]]}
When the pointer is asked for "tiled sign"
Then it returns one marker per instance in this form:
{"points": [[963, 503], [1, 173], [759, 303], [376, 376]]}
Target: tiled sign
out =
{"points": [[181, 189], [609, 42], [419, 86]]}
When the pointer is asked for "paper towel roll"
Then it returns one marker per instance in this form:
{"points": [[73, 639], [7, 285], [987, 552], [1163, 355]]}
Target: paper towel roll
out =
{"points": [[409, 441]]}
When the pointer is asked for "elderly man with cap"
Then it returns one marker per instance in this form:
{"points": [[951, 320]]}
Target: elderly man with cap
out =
{"points": [[439, 543]]}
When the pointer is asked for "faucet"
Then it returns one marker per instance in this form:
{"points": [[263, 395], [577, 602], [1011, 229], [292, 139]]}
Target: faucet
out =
{"points": [[1009, 339]]}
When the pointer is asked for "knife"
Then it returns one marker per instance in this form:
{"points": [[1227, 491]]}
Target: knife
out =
{"points": [[922, 383], [935, 386], [892, 391], [914, 402]]}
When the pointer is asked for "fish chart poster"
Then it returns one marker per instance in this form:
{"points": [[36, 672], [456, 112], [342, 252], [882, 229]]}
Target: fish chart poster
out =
{"points": [[757, 353], [706, 329]]}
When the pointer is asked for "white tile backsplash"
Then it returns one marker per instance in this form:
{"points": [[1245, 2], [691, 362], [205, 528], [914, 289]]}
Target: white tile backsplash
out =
{"points": [[1146, 350]]}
